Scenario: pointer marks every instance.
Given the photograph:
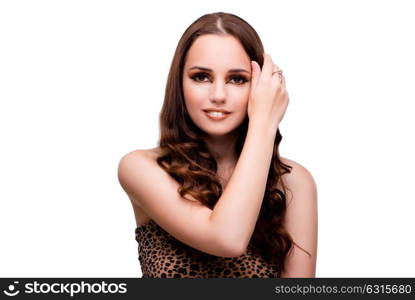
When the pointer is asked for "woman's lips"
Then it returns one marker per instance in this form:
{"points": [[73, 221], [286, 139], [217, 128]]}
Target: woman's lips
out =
{"points": [[216, 116]]}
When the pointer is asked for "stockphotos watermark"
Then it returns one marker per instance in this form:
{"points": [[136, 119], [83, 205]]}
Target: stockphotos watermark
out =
{"points": [[71, 289]]}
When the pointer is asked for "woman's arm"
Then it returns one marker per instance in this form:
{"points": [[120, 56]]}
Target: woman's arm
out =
{"points": [[225, 230], [301, 222], [237, 210]]}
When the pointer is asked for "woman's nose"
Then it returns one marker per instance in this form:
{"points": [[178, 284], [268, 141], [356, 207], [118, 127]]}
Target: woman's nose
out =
{"points": [[218, 92]]}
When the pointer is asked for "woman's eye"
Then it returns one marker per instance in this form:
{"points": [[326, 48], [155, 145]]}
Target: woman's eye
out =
{"points": [[239, 79], [199, 77]]}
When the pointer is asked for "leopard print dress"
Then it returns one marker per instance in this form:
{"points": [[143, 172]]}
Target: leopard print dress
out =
{"points": [[162, 256]]}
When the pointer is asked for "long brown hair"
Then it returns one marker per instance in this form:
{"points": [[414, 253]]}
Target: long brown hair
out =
{"points": [[186, 157]]}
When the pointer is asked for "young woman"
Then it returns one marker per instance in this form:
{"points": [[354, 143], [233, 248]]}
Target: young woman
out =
{"points": [[215, 199]]}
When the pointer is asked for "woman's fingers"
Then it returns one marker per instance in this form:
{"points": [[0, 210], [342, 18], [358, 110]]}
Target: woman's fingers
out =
{"points": [[267, 67], [256, 70], [278, 75], [268, 98]]}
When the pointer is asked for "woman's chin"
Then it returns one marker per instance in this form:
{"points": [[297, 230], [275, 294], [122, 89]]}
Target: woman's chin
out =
{"points": [[219, 133]]}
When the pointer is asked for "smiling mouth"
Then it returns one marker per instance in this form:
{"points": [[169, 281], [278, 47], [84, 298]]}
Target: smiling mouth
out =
{"points": [[216, 115]]}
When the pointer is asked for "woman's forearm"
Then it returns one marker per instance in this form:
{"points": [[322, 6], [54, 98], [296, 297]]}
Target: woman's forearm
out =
{"points": [[237, 210]]}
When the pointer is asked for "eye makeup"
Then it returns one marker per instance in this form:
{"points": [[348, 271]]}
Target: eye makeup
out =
{"points": [[235, 78]]}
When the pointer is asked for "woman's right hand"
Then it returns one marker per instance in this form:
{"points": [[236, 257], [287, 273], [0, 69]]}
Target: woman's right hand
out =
{"points": [[268, 98]]}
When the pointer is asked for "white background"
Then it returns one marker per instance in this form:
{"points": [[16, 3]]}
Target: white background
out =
{"points": [[82, 83]]}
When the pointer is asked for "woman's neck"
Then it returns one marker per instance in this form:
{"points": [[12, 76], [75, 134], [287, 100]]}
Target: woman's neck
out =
{"points": [[223, 150]]}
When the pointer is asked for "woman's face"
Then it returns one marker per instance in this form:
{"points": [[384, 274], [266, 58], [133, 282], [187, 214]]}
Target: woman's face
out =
{"points": [[216, 76]]}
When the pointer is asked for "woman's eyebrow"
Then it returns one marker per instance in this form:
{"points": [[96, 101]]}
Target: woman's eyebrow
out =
{"points": [[210, 70]]}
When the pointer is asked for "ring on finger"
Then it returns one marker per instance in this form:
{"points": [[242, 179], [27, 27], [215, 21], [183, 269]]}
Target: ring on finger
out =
{"points": [[279, 71]]}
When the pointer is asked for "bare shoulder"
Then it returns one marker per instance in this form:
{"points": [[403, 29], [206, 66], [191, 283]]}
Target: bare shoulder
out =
{"points": [[154, 194], [299, 179], [144, 162], [150, 154], [298, 171], [301, 221], [140, 159]]}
